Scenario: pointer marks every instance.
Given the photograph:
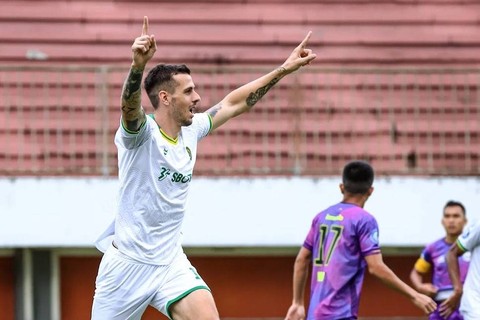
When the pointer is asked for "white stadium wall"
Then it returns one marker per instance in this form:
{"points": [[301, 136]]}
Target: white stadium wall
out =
{"points": [[228, 212]]}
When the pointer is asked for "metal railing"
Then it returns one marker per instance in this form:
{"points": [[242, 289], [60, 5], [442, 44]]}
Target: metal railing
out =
{"points": [[60, 120]]}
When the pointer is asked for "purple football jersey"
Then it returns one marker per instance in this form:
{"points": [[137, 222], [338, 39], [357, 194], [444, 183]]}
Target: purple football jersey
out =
{"points": [[340, 237], [435, 254]]}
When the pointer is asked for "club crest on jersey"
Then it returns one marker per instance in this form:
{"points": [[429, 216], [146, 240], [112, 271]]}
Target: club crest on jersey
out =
{"points": [[189, 152]]}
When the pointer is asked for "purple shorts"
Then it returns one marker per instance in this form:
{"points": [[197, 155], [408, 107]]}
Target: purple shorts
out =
{"points": [[454, 316]]}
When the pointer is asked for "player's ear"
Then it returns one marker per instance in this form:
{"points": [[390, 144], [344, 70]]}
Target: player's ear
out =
{"points": [[370, 191], [342, 188], [164, 97]]}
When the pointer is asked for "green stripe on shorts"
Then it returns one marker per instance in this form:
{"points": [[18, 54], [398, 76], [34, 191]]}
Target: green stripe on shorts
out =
{"points": [[183, 295]]}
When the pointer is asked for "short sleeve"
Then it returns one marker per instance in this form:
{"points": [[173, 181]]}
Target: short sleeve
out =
{"points": [[202, 124], [310, 239], [130, 139], [470, 238], [368, 235]]}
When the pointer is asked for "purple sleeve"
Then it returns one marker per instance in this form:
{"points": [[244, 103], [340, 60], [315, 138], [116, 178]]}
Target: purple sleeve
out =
{"points": [[368, 236], [310, 239], [427, 255]]}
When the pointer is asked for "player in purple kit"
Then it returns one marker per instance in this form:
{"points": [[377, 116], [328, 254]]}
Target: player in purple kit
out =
{"points": [[433, 258], [341, 244]]}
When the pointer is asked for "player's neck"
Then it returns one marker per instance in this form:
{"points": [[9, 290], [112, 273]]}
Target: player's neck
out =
{"points": [[450, 238], [167, 124], [358, 200]]}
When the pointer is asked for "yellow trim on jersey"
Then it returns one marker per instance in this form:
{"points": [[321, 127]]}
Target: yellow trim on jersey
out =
{"points": [[168, 138], [422, 266], [461, 247]]}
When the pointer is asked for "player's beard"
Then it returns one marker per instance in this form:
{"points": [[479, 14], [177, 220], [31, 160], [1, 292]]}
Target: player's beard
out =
{"points": [[181, 115]]}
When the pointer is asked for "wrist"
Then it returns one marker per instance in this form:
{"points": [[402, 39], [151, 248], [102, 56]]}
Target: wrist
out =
{"points": [[282, 71], [137, 67]]}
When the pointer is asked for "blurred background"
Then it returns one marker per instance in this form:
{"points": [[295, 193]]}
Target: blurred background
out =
{"points": [[395, 83]]}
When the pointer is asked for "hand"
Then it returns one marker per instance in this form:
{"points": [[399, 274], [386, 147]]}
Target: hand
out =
{"points": [[428, 289], [296, 312], [450, 305], [425, 303], [300, 56], [143, 47]]}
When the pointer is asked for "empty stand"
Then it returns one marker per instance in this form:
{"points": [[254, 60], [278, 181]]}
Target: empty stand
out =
{"points": [[62, 120], [395, 82], [195, 32]]}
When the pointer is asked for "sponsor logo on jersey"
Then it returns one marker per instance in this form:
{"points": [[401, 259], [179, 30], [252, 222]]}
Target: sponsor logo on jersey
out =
{"points": [[334, 218], [175, 176]]}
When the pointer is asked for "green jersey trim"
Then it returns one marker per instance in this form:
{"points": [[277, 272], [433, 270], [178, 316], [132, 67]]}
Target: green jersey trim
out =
{"points": [[131, 131], [461, 246], [211, 122]]}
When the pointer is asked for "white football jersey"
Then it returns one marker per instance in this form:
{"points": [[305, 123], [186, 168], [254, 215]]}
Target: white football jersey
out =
{"points": [[155, 172], [469, 240]]}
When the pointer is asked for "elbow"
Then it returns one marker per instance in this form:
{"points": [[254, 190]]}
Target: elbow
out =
{"points": [[301, 262], [412, 276], [377, 270], [373, 270]]}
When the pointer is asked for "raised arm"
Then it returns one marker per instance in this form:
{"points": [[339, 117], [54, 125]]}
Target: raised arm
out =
{"points": [[300, 274], [379, 269], [245, 97], [143, 49]]}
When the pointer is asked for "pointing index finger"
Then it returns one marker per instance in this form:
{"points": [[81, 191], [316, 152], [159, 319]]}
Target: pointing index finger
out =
{"points": [[303, 44], [145, 26]]}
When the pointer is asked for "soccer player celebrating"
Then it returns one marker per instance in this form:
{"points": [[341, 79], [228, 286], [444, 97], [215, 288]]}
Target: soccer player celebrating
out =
{"points": [[341, 244], [433, 258], [145, 264]]}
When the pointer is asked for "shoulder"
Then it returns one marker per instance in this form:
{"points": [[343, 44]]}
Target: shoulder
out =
{"points": [[438, 242], [364, 215], [201, 125], [202, 118], [470, 234], [432, 246]]}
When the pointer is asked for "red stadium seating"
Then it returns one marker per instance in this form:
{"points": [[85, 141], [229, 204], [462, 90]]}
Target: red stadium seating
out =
{"points": [[367, 95]]}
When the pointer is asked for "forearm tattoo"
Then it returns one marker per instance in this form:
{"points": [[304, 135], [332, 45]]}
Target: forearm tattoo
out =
{"points": [[131, 98], [253, 97]]}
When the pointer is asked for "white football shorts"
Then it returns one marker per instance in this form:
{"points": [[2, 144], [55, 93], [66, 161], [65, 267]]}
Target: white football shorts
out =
{"points": [[125, 287]]}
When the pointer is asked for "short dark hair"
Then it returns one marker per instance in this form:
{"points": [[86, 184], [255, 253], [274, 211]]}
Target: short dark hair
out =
{"points": [[160, 77], [357, 177], [453, 203]]}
